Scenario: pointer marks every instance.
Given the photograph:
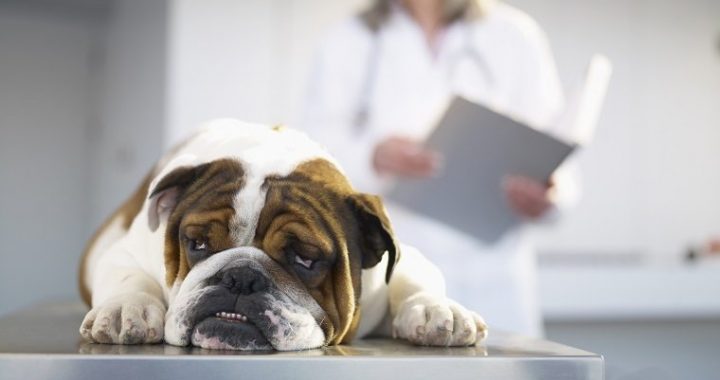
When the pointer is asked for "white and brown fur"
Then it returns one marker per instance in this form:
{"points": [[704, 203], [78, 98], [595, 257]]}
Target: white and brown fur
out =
{"points": [[144, 285]]}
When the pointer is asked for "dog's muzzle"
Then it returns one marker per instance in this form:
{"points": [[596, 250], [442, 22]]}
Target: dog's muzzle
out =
{"points": [[241, 299]]}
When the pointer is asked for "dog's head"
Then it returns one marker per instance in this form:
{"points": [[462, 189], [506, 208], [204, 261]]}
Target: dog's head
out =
{"points": [[258, 258]]}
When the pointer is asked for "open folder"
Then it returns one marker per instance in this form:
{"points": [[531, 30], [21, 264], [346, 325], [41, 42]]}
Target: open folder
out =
{"points": [[481, 147]]}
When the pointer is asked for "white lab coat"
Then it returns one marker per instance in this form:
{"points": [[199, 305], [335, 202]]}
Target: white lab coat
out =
{"points": [[409, 86]]}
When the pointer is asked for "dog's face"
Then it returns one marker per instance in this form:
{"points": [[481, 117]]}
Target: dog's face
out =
{"points": [[265, 263]]}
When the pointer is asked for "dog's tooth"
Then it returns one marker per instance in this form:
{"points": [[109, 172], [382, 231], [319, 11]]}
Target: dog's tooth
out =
{"points": [[223, 314]]}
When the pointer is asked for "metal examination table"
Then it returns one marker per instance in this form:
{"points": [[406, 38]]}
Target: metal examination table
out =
{"points": [[43, 342]]}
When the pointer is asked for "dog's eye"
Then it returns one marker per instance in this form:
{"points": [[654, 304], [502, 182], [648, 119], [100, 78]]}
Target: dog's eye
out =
{"points": [[198, 245], [302, 261], [307, 263], [197, 249]]}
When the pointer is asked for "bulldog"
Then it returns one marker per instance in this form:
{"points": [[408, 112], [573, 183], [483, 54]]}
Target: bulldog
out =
{"points": [[249, 237]]}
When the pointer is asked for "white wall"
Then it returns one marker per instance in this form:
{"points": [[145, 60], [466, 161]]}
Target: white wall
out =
{"points": [[128, 112], [244, 59], [650, 179]]}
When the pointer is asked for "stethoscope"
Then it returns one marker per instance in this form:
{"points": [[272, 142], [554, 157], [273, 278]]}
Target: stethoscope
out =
{"points": [[468, 52]]}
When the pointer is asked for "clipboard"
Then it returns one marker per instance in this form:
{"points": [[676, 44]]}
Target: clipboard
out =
{"points": [[480, 147]]}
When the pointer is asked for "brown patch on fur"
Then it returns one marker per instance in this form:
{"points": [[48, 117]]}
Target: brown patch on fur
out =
{"points": [[127, 212], [204, 210], [315, 206], [353, 327]]}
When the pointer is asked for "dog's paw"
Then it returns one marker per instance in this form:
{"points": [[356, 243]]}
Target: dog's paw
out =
{"points": [[128, 319], [429, 320]]}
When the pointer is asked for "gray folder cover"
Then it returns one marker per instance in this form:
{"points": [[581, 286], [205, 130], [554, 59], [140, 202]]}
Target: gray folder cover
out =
{"points": [[480, 147]]}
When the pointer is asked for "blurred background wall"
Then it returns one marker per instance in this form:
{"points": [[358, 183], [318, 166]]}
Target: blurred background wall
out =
{"points": [[82, 108], [92, 91], [47, 73]]}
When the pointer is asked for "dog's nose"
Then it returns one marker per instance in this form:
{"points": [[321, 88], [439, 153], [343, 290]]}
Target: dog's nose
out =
{"points": [[244, 281]]}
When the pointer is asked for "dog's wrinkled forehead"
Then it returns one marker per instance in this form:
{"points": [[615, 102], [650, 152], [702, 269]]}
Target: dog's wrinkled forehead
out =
{"points": [[209, 191], [219, 205]]}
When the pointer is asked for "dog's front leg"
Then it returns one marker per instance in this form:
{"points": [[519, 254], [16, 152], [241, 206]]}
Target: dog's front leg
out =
{"points": [[127, 304], [420, 309]]}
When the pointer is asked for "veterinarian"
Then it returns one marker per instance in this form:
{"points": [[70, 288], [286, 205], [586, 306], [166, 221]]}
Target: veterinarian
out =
{"points": [[379, 81]]}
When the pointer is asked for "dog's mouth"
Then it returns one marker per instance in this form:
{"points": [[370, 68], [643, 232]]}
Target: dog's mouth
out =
{"points": [[263, 321], [232, 317], [229, 331]]}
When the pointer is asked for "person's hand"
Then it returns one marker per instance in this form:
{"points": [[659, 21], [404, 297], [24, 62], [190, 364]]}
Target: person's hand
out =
{"points": [[405, 157], [713, 246], [527, 197]]}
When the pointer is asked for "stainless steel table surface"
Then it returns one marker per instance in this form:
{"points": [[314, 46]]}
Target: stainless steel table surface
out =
{"points": [[43, 342]]}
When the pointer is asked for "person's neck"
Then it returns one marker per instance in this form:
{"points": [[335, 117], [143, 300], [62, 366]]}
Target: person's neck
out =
{"points": [[428, 15]]}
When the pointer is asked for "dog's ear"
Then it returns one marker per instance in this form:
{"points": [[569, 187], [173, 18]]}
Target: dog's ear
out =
{"points": [[165, 195], [376, 235]]}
